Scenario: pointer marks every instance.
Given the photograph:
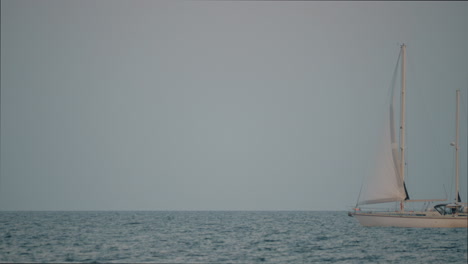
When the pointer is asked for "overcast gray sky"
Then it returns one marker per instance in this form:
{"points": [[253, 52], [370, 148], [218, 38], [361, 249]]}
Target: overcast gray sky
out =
{"points": [[231, 105]]}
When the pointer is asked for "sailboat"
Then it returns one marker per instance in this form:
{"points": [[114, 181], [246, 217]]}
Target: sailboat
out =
{"points": [[388, 183]]}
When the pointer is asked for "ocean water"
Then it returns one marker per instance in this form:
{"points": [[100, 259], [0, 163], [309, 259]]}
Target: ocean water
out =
{"points": [[219, 237]]}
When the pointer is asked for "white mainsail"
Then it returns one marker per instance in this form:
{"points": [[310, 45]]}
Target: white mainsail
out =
{"points": [[386, 184]]}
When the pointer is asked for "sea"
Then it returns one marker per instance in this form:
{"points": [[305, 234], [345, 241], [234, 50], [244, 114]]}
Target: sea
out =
{"points": [[219, 237]]}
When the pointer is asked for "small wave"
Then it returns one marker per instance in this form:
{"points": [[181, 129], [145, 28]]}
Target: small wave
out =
{"points": [[133, 223], [322, 238]]}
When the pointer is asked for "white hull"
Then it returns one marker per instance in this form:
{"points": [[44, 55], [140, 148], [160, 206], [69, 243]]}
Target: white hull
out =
{"points": [[411, 220]]}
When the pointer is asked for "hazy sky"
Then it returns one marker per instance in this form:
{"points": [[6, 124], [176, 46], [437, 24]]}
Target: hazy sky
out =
{"points": [[232, 105]]}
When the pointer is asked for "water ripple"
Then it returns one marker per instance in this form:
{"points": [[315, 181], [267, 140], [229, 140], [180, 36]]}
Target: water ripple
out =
{"points": [[218, 237]]}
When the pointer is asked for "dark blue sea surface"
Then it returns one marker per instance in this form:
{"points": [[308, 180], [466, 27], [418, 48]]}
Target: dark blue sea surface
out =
{"points": [[219, 237]]}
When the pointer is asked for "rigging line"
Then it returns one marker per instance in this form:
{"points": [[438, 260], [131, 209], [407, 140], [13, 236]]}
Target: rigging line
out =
{"points": [[445, 190], [359, 196], [464, 107], [464, 111], [452, 172]]}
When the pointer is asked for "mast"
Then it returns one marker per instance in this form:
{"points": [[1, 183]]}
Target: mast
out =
{"points": [[402, 118], [457, 116]]}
